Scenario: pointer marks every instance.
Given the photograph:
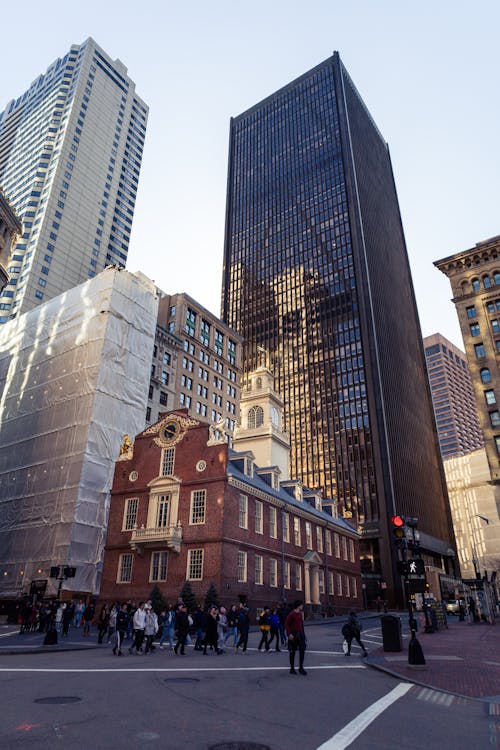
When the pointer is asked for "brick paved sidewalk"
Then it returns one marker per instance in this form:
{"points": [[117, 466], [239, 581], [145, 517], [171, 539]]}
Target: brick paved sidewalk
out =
{"points": [[463, 659]]}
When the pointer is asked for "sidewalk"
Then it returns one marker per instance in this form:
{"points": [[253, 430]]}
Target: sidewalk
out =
{"points": [[12, 642], [463, 659]]}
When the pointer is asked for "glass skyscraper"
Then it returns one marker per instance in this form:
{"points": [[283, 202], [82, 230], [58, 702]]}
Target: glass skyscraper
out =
{"points": [[70, 155], [316, 274]]}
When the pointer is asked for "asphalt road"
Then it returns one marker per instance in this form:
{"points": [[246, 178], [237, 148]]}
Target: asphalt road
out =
{"points": [[95, 700]]}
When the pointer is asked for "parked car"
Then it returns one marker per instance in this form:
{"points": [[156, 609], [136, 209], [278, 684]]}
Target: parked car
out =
{"points": [[453, 607]]}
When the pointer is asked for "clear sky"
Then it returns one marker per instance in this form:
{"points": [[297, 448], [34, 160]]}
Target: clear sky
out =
{"points": [[428, 72]]}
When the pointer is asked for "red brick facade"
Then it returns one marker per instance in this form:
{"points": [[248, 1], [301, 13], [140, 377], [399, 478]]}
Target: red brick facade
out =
{"points": [[162, 506]]}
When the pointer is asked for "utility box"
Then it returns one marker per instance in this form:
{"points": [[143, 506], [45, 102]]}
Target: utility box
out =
{"points": [[392, 637]]}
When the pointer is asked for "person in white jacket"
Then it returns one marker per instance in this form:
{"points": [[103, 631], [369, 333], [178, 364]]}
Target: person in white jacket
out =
{"points": [[139, 626], [150, 628]]}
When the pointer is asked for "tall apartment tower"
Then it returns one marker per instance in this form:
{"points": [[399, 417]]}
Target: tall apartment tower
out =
{"points": [[70, 155], [316, 273], [458, 427]]}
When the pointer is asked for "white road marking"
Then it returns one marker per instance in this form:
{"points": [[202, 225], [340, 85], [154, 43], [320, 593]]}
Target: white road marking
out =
{"points": [[180, 670], [351, 731]]}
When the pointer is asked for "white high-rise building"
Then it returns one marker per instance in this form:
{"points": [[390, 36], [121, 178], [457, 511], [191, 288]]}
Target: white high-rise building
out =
{"points": [[70, 155]]}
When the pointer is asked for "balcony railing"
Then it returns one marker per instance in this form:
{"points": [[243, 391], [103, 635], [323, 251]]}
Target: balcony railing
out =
{"points": [[169, 535]]}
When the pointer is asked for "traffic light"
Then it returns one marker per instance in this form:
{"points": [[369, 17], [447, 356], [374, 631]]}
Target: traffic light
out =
{"points": [[69, 572], [54, 571], [398, 527]]}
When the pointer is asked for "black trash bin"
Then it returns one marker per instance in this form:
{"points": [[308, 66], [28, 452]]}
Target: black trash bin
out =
{"points": [[392, 637]]}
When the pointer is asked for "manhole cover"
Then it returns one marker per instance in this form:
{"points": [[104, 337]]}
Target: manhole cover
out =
{"points": [[182, 679], [239, 746], [59, 699]]}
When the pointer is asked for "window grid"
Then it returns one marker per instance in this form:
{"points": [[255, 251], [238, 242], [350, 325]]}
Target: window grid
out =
{"points": [[298, 577], [130, 514], [258, 517], [195, 565], [286, 574], [309, 542], [243, 512], [198, 505], [242, 567], [319, 538], [286, 527], [125, 568], [158, 566], [296, 531], [272, 522], [167, 466], [273, 572], [258, 570]]}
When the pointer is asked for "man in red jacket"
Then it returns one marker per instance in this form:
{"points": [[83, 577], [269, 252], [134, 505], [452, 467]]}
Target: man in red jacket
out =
{"points": [[294, 626]]}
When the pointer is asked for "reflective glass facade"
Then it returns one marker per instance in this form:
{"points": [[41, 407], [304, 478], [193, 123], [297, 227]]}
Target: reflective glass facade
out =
{"points": [[316, 273]]}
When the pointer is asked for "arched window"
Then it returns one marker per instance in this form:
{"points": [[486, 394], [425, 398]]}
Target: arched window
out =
{"points": [[476, 285], [275, 419], [487, 282], [496, 277], [485, 375], [255, 417], [464, 287]]}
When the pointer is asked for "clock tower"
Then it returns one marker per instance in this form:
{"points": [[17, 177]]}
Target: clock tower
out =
{"points": [[260, 429]]}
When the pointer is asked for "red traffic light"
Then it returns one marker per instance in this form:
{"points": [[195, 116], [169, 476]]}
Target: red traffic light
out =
{"points": [[397, 521]]}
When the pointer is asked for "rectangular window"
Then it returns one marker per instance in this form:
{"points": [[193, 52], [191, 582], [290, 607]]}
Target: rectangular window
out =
{"points": [[158, 570], [194, 565], [309, 540], [286, 574], [273, 522], [319, 538], [354, 588], [286, 527], [479, 351], [219, 342], [167, 464], [125, 568], [190, 321], [258, 570], [344, 548], [163, 398], [495, 418], [205, 332], [231, 351], [130, 513], [258, 517], [321, 580], [471, 311], [273, 572], [495, 326], [243, 512], [497, 443], [346, 586], [298, 577], [336, 542], [338, 581], [162, 511], [165, 377], [242, 567], [296, 531], [490, 397], [328, 537], [166, 358], [198, 504], [474, 329], [351, 551], [330, 583]]}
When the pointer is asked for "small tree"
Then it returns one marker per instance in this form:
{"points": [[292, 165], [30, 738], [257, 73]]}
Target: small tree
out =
{"points": [[211, 597], [157, 599], [188, 597]]}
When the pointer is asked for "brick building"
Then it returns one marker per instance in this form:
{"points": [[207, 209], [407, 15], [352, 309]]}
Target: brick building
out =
{"points": [[184, 506]]}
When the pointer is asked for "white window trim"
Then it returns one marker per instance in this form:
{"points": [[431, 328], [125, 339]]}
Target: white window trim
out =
{"points": [[240, 498], [191, 508], [120, 567], [189, 556], [273, 514], [125, 513], [259, 517], [158, 580], [245, 567], [273, 568], [259, 581]]}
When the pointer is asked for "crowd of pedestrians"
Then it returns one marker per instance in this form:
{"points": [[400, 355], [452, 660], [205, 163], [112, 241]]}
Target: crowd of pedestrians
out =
{"points": [[214, 629]]}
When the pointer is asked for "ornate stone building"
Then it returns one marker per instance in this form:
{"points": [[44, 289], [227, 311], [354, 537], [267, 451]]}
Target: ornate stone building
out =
{"points": [[10, 228]]}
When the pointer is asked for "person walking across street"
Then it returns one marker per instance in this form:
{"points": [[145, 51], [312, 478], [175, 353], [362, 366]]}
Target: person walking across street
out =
{"points": [[274, 622], [88, 616], [139, 623], [150, 628], [265, 627], [182, 629], [232, 625], [352, 631], [294, 626], [211, 631], [168, 627], [121, 629], [243, 628]]}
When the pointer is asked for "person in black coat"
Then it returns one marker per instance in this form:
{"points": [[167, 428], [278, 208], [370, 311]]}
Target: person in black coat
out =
{"points": [[182, 622], [243, 628], [211, 631]]}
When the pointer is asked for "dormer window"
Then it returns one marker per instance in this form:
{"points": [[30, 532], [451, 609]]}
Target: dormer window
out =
{"points": [[248, 467]]}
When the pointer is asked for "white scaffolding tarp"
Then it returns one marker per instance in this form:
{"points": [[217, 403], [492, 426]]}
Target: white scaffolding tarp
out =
{"points": [[74, 378]]}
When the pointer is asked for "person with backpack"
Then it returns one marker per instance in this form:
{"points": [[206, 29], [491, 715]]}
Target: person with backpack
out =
{"points": [[265, 627], [274, 622], [294, 626], [352, 631], [243, 628], [122, 618]]}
